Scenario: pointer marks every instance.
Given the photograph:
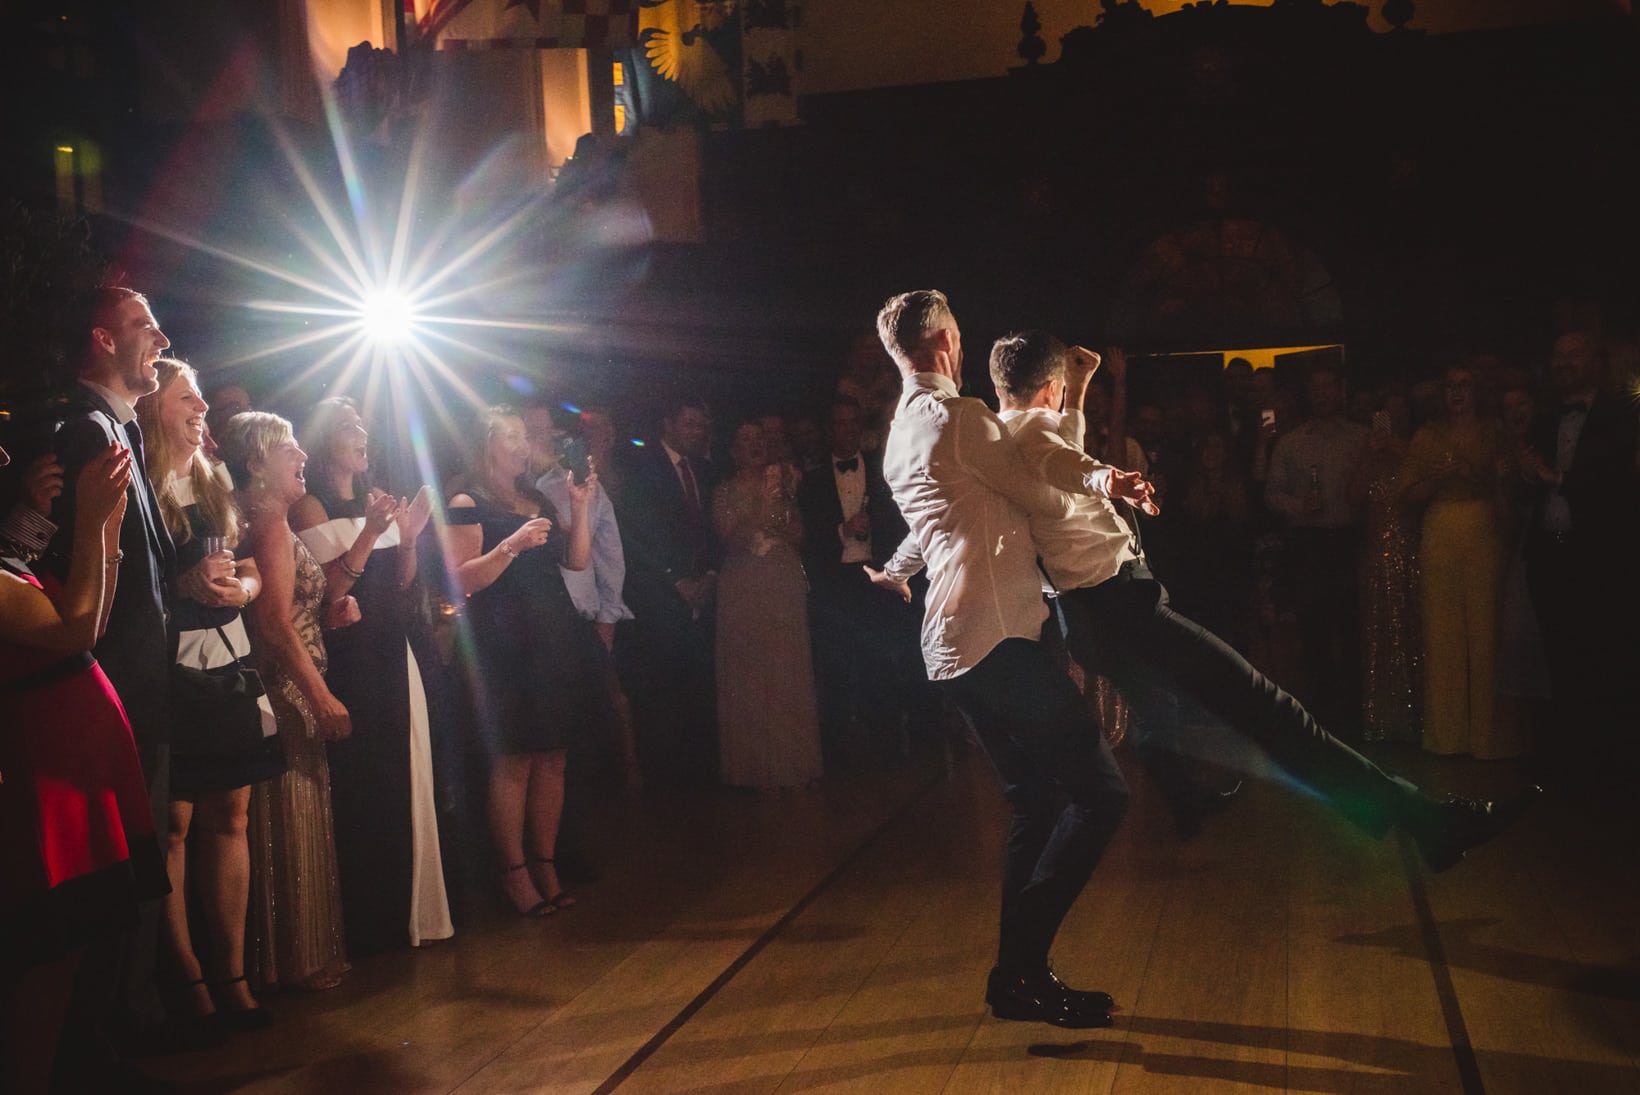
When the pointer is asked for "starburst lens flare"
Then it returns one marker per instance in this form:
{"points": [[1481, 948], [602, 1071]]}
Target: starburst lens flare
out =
{"points": [[388, 317]]}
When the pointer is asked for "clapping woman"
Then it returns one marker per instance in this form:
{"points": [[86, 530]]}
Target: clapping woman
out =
{"points": [[211, 777], [296, 915], [381, 775], [78, 849], [536, 672]]}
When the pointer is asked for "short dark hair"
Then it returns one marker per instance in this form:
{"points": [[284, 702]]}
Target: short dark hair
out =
{"points": [[905, 321], [1023, 361], [92, 309]]}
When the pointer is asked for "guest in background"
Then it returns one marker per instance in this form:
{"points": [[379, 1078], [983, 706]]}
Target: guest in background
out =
{"points": [[1391, 634], [869, 378], [1310, 470], [296, 901], [868, 666], [1523, 667], [535, 659], [808, 440], [671, 584], [768, 722], [210, 786], [226, 400], [1212, 581], [599, 430], [79, 852], [778, 444], [1451, 475], [1582, 541], [596, 589], [381, 775]]}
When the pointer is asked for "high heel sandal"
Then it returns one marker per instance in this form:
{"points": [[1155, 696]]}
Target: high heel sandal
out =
{"points": [[561, 899], [540, 908], [244, 1020]]}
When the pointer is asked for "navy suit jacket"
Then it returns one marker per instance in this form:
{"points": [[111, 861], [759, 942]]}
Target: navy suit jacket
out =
{"points": [[137, 650], [822, 512], [661, 543]]}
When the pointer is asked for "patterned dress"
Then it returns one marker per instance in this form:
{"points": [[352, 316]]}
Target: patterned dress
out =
{"points": [[1392, 640], [296, 903], [768, 720]]}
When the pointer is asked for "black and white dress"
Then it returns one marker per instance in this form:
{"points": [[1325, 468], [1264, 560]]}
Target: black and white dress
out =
{"points": [[381, 776], [201, 646]]}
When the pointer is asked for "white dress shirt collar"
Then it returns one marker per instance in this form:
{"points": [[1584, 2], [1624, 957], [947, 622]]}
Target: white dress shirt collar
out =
{"points": [[123, 411]]}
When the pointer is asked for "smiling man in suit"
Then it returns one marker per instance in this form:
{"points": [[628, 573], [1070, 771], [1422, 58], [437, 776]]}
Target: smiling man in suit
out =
{"points": [[113, 345]]}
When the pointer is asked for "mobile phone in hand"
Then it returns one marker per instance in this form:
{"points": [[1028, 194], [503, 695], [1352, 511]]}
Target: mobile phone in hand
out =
{"points": [[576, 457]]}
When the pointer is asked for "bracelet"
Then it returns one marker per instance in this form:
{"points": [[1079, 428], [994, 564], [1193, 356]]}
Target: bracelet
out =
{"points": [[246, 590], [341, 561], [119, 557], [507, 549]]}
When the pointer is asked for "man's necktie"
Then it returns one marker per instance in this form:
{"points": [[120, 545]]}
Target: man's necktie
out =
{"points": [[133, 436], [691, 493], [848, 465]]}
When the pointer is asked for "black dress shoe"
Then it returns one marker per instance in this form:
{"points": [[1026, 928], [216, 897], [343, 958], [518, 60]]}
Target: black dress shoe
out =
{"points": [[1037, 996], [1202, 802], [1444, 831]]}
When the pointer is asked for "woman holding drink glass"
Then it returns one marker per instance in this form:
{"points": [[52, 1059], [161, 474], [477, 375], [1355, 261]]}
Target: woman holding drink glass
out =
{"points": [[210, 782]]}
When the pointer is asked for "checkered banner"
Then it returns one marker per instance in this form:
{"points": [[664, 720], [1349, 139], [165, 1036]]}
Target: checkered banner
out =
{"points": [[529, 24]]}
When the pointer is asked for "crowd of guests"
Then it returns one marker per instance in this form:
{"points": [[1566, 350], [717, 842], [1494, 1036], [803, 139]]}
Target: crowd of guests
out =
{"points": [[1437, 560], [221, 638], [236, 657]]}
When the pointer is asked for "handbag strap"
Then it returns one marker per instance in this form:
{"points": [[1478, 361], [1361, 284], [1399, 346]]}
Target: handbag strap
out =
{"points": [[228, 643]]}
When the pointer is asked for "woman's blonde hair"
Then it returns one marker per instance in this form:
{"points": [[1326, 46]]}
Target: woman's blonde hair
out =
{"points": [[213, 497], [250, 437]]}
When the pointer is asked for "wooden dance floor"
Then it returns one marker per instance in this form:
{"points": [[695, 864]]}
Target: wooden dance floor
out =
{"points": [[837, 939]]}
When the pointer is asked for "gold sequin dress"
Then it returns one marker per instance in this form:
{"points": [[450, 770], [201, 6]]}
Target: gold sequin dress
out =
{"points": [[296, 902], [1392, 641]]}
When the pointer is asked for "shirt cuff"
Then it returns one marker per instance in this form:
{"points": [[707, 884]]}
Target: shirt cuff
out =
{"points": [[1098, 481]]}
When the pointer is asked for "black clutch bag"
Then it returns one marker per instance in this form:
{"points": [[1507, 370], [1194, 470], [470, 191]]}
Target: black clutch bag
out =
{"points": [[215, 710]]}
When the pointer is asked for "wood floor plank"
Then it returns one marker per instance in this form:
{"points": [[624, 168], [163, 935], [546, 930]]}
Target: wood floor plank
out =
{"points": [[1280, 950]]}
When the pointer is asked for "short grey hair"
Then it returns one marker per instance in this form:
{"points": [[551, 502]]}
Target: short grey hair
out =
{"points": [[906, 321]]}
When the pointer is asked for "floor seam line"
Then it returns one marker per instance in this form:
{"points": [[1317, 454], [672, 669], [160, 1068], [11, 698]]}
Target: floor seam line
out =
{"points": [[1463, 1052], [704, 997]]}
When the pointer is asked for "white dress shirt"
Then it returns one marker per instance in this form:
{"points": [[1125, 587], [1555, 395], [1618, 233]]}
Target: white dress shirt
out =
{"points": [[1332, 448], [596, 590], [851, 494], [124, 412], [968, 497], [1090, 545]]}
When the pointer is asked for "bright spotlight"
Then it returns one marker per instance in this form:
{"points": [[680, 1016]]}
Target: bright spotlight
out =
{"points": [[387, 316]]}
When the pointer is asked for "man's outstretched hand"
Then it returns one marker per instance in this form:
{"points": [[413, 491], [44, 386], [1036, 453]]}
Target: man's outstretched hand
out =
{"points": [[1130, 486], [883, 581]]}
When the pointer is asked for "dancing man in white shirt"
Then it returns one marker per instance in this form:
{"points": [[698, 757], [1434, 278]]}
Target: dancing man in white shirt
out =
{"points": [[968, 497], [1118, 624]]}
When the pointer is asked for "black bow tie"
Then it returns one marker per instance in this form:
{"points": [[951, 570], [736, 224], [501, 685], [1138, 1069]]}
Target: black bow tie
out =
{"points": [[848, 465], [1576, 406]]}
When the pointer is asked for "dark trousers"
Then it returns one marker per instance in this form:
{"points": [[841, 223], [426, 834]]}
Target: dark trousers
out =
{"points": [[1124, 629], [867, 667], [668, 663], [1325, 568], [1063, 786]]}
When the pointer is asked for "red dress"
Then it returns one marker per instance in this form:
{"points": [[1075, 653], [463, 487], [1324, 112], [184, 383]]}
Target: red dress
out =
{"points": [[77, 843]]}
